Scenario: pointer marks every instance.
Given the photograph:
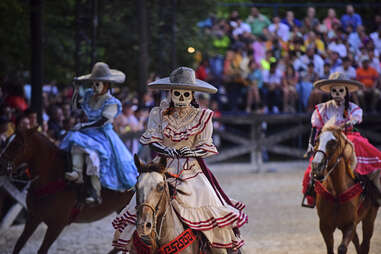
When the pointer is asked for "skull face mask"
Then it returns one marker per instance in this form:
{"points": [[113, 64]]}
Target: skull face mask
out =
{"points": [[98, 87], [181, 98], [338, 93]]}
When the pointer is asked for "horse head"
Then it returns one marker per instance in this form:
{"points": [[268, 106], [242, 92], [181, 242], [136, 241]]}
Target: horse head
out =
{"points": [[331, 146], [151, 192], [19, 150]]}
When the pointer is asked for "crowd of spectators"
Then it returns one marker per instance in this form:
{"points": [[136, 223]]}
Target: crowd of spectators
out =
{"points": [[268, 65]]}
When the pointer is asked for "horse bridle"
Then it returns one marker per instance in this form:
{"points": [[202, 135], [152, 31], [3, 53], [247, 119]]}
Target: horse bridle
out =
{"points": [[154, 210], [326, 159]]}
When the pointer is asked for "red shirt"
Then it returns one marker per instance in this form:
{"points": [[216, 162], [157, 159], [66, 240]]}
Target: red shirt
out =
{"points": [[367, 77]]}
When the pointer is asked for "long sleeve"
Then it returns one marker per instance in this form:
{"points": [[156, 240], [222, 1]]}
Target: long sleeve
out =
{"points": [[153, 132]]}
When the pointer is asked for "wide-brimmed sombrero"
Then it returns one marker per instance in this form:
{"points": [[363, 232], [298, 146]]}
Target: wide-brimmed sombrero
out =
{"points": [[337, 78], [101, 72], [183, 78]]}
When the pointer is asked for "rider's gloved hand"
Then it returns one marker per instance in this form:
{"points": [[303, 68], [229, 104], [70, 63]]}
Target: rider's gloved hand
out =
{"points": [[77, 127], [171, 152], [309, 152], [187, 152]]}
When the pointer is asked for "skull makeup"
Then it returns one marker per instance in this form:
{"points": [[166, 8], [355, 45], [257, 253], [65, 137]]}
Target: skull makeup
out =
{"points": [[98, 87], [338, 93], [181, 98]]}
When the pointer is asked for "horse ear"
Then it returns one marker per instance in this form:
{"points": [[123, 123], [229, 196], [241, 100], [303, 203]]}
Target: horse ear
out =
{"points": [[163, 163], [138, 163]]}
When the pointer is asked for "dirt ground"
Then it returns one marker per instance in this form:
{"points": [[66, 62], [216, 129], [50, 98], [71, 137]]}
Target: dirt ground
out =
{"points": [[277, 223]]}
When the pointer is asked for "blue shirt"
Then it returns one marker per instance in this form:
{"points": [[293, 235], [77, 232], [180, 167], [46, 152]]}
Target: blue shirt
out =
{"points": [[351, 20]]}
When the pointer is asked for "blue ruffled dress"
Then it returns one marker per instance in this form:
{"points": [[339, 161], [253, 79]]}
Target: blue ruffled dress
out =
{"points": [[117, 167]]}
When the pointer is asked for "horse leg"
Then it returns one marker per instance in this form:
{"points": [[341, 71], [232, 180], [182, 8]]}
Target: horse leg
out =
{"points": [[348, 232], [356, 242], [327, 233], [50, 236], [367, 229], [31, 224]]}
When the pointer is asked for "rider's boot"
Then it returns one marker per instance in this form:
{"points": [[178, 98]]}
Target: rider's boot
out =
{"points": [[94, 191], [76, 174], [374, 177]]}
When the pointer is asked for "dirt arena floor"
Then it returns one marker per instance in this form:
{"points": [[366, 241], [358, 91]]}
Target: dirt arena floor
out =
{"points": [[277, 223]]}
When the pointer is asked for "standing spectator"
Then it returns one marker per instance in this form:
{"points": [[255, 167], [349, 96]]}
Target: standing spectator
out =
{"points": [[347, 69], [279, 29], [22, 123], [55, 122], [351, 19], [32, 115], [368, 76], [330, 19], [4, 122], [291, 21], [255, 83], [203, 70], [304, 86], [257, 22], [272, 88], [15, 96]]}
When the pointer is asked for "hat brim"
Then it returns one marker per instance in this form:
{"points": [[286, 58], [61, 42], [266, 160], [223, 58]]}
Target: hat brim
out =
{"points": [[199, 85], [326, 84], [115, 77]]}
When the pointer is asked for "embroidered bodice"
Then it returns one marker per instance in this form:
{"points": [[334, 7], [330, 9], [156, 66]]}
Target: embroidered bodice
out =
{"points": [[102, 106], [325, 111], [193, 129]]}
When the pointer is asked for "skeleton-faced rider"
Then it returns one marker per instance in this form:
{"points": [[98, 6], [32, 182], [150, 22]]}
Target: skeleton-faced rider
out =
{"points": [[347, 115], [181, 131], [95, 148]]}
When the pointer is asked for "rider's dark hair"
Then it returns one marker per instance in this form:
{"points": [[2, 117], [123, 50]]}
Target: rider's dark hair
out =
{"points": [[346, 103]]}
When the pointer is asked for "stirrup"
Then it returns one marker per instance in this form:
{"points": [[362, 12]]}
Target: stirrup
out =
{"points": [[305, 204]]}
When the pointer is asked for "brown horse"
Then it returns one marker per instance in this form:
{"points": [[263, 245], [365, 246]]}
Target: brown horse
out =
{"points": [[49, 199], [338, 201], [156, 219]]}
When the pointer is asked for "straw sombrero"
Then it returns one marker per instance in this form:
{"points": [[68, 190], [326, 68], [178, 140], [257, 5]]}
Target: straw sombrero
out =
{"points": [[183, 78], [337, 78], [101, 72]]}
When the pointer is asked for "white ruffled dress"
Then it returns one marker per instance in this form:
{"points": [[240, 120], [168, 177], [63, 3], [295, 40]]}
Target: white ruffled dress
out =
{"points": [[204, 209]]}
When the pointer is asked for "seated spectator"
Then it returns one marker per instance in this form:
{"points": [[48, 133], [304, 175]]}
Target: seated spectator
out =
{"points": [[291, 21], [289, 81], [32, 115], [310, 21], [376, 37], [368, 76], [241, 29], [257, 22], [272, 88], [55, 123], [311, 56], [374, 61], [347, 68], [336, 44], [203, 70], [313, 41], [351, 18], [334, 60], [279, 29], [330, 19], [327, 71]]}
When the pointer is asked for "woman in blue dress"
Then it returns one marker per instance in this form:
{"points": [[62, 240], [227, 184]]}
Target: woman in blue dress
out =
{"points": [[94, 144]]}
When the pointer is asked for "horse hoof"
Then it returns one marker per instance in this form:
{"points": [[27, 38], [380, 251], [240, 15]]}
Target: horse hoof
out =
{"points": [[342, 249]]}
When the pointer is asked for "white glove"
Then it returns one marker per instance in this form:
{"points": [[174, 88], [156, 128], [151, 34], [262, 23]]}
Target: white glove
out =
{"points": [[171, 152], [77, 127], [187, 152]]}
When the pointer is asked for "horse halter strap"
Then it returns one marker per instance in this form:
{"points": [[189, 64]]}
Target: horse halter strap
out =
{"points": [[332, 168]]}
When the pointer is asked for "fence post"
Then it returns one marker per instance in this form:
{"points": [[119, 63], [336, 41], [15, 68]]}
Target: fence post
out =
{"points": [[256, 152]]}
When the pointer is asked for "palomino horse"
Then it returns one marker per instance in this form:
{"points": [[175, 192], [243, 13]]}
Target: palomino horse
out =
{"points": [[338, 201], [49, 200], [157, 222]]}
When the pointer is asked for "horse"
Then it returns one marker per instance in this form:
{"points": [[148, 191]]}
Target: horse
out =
{"points": [[157, 222], [338, 200], [49, 198]]}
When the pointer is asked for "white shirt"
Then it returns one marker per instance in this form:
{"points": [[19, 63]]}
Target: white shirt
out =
{"points": [[350, 72], [282, 30], [376, 40], [243, 28], [325, 111], [339, 48]]}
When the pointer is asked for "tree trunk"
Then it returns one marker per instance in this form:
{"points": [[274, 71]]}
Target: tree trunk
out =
{"points": [[143, 50], [36, 9]]}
